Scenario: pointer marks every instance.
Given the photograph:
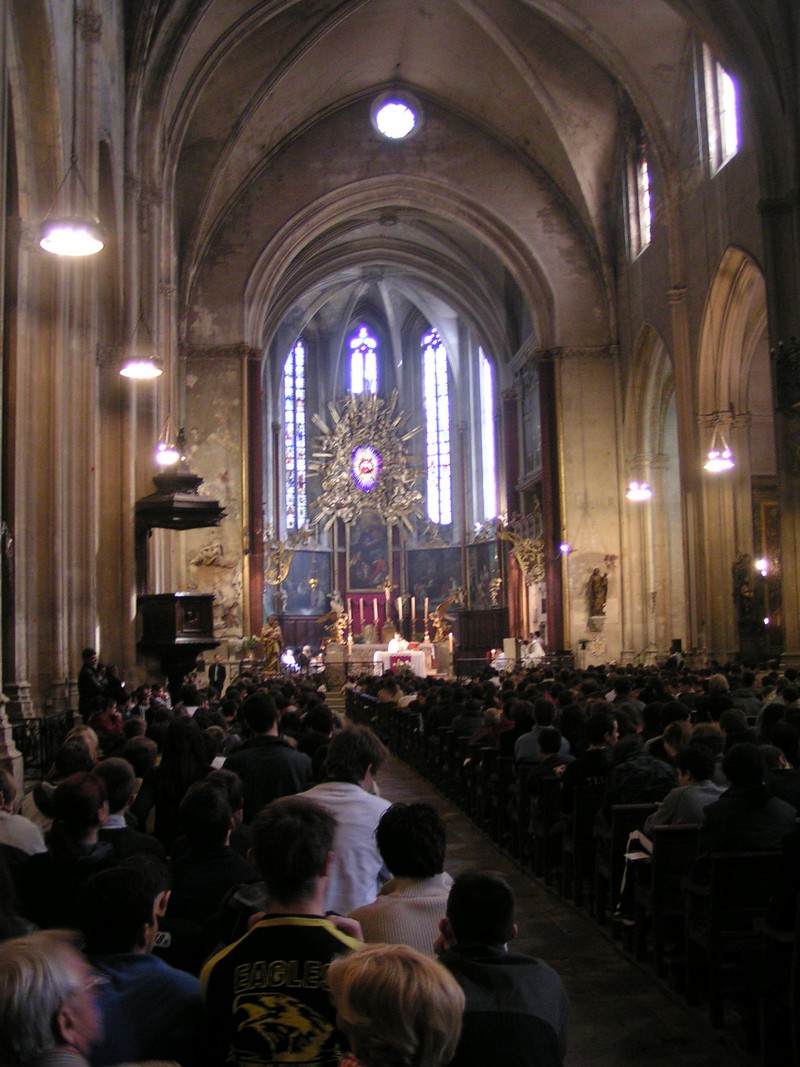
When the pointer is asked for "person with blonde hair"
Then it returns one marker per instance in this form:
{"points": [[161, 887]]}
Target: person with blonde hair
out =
{"points": [[397, 1007]]}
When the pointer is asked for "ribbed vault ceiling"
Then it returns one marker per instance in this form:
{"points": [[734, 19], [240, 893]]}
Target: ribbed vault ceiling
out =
{"points": [[263, 112]]}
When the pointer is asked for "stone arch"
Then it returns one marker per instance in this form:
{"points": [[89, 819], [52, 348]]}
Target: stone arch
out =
{"points": [[733, 392], [653, 565]]}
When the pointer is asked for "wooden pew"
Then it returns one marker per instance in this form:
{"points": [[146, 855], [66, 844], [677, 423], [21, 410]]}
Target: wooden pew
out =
{"points": [[610, 859], [720, 916], [659, 901]]}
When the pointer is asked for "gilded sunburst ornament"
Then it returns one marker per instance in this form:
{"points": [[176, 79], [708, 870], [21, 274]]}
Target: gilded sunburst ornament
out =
{"points": [[363, 464]]}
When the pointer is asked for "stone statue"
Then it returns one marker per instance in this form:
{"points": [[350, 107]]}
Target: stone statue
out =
{"points": [[440, 621], [597, 590], [272, 643], [336, 621]]}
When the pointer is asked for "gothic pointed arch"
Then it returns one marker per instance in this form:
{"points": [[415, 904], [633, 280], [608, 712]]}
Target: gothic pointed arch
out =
{"points": [[654, 586], [734, 397]]}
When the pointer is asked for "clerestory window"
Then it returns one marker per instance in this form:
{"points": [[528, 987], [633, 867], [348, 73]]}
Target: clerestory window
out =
{"points": [[639, 196], [722, 112]]}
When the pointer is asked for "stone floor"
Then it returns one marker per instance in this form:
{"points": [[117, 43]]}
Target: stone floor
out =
{"points": [[620, 1014]]}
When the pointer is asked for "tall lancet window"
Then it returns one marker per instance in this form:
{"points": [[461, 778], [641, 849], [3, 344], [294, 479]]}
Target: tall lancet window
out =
{"points": [[639, 194], [294, 436], [363, 362], [488, 449], [436, 398], [722, 112]]}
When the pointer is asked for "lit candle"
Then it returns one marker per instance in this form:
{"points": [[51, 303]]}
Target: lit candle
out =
{"points": [[350, 609], [450, 642], [400, 608], [386, 590], [426, 609], [413, 612], [361, 611], [375, 609]]}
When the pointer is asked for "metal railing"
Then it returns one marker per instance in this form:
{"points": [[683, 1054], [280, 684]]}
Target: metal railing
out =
{"points": [[38, 739]]}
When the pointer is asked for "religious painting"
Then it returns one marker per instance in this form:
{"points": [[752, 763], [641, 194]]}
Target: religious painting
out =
{"points": [[434, 573], [305, 589], [368, 553], [483, 570]]}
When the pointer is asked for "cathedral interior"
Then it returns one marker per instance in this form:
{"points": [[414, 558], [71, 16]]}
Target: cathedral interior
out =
{"points": [[573, 274]]}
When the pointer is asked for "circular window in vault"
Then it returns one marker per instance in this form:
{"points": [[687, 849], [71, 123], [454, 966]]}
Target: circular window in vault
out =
{"points": [[396, 115]]}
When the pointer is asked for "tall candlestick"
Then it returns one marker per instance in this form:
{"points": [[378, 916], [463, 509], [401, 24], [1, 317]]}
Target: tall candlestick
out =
{"points": [[361, 611], [400, 608], [375, 609], [426, 613], [350, 610], [413, 614]]}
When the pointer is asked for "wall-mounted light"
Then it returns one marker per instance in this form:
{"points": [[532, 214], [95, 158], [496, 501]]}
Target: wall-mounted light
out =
{"points": [[762, 566], [565, 548]]}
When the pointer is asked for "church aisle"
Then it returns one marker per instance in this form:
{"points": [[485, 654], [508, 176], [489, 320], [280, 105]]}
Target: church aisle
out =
{"points": [[619, 1013]]}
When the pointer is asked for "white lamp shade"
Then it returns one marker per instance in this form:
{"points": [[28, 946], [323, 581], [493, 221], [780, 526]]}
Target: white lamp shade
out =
{"points": [[67, 236], [141, 368]]}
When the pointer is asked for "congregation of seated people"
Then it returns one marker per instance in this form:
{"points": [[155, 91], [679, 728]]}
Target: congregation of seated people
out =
{"points": [[239, 840], [713, 751]]}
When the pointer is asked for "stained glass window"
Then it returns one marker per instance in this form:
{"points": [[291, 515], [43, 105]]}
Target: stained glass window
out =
{"points": [[363, 362], [436, 399], [294, 436], [643, 193], [488, 452]]}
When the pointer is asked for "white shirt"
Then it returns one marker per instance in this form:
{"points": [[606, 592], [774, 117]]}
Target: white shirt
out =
{"points": [[407, 912], [357, 872], [21, 833]]}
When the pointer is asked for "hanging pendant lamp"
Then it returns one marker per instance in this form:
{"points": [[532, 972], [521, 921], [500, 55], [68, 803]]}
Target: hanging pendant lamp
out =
{"points": [[720, 456], [139, 365], [71, 227]]}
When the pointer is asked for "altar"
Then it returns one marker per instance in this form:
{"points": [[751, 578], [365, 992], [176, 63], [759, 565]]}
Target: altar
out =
{"points": [[419, 660]]}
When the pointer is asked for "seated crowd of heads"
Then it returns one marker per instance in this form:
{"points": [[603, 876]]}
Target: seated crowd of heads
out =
{"points": [[159, 856]]}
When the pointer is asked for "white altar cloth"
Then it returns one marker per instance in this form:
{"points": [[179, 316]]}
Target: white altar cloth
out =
{"points": [[387, 661]]}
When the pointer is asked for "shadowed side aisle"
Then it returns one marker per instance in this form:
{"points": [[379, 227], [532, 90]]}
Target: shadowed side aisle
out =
{"points": [[619, 1013]]}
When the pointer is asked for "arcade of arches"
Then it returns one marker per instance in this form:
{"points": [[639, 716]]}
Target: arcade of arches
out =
{"points": [[599, 204]]}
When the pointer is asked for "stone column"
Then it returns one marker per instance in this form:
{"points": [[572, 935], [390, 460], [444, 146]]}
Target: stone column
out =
{"points": [[691, 495], [781, 226], [551, 498], [515, 587]]}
